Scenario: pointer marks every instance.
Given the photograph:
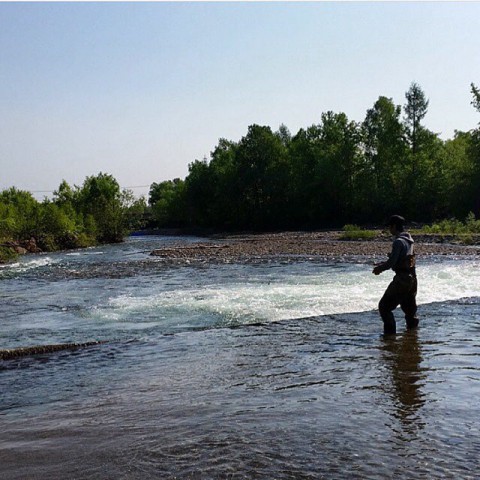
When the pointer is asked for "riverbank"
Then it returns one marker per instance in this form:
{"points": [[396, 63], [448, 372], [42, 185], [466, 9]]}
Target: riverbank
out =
{"points": [[229, 248], [10, 250], [226, 248]]}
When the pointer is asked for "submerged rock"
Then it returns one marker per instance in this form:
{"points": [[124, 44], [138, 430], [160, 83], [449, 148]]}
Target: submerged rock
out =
{"points": [[43, 349]]}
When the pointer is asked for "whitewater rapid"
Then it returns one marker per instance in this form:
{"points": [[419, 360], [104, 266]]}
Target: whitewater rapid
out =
{"points": [[305, 290], [119, 289]]}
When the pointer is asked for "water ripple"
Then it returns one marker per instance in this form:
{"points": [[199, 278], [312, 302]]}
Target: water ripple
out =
{"points": [[190, 388]]}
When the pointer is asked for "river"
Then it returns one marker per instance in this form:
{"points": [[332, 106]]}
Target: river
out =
{"points": [[266, 369]]}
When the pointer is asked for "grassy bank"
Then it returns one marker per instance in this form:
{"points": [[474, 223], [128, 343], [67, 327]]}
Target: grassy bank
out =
{"points": [[465, 232]]}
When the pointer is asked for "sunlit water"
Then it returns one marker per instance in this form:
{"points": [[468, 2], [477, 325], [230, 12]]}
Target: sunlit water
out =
{"points": [[273, 369]]}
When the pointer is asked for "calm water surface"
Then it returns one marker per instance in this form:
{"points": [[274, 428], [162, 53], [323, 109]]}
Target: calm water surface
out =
{"points": [[258, 370]]}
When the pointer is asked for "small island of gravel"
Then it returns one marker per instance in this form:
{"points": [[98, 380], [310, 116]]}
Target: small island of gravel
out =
{"points": [[241, 247]]}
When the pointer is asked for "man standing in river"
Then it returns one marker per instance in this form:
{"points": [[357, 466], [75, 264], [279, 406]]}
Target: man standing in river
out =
{"points": [[403, 288]]}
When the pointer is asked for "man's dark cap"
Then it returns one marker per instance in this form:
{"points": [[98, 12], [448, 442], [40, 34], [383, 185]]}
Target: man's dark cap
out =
{"points": [[396, 220]]}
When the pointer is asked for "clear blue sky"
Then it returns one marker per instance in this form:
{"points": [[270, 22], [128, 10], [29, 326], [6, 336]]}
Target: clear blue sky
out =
{"points": [[140, 90]]}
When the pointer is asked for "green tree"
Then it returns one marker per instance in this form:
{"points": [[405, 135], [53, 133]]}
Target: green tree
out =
{"points": [[261, 180], [424, 190], [199, 193], [56, 228], [415, 110], [133, 210], [284, 135], [100, 197], [385, 152], [8, 224], [457, 174], [68, 200], [168, 203], [474, 154], [340, 164], [305, 184], [22, 213], [225, 200], [476, 97], [423, 181], [64, 194]]}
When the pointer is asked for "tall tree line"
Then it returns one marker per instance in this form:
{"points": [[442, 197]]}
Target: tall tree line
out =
{"points": [[335, 172]]}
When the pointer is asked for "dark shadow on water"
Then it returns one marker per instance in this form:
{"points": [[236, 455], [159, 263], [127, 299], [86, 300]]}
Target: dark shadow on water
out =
{"points": [[402, 354]]}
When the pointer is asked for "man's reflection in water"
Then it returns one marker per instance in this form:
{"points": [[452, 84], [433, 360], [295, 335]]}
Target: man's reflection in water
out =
{"points": [[403, 357]]}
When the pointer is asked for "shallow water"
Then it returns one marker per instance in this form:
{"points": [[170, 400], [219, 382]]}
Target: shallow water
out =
{"points": [[267, 370]]}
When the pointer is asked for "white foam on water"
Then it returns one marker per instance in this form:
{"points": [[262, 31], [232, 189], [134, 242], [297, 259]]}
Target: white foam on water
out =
{"points": [[26, 265], [280, 297], [82, 253], [7, 266], [449, 281]]}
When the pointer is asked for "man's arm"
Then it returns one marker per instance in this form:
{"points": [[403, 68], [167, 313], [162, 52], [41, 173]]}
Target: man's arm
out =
{"points": [[392, 258]]}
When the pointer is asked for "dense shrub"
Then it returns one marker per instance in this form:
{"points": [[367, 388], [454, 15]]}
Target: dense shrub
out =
{"points": [[97, 212]]}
